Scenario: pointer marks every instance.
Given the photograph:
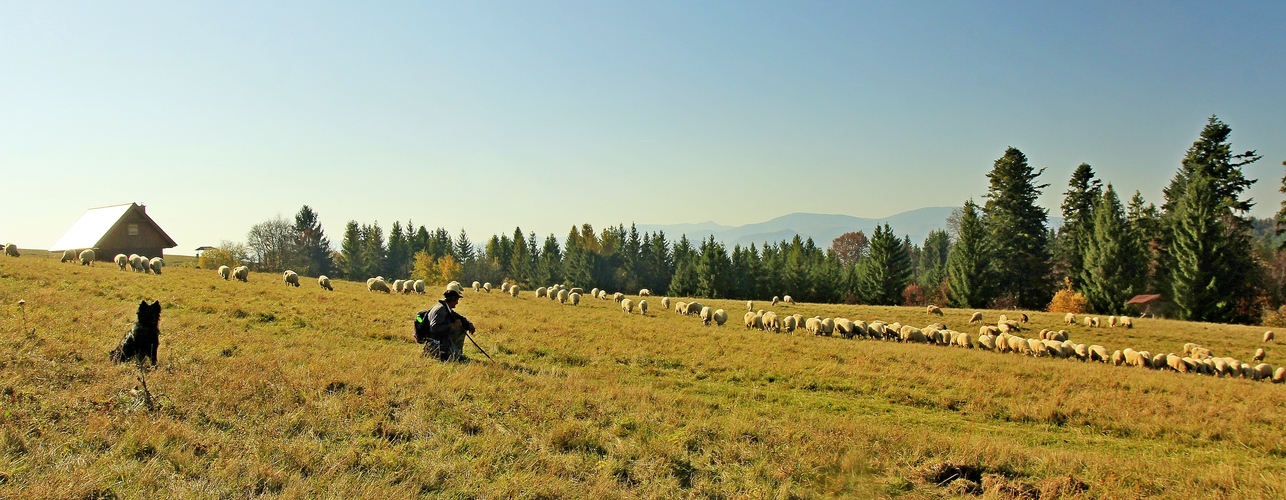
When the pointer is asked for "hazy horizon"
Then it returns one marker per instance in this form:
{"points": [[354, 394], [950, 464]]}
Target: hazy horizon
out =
{"points": [[545, 116]]}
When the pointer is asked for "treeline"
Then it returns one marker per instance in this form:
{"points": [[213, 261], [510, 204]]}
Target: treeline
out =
{"points": [[1199, 249]]}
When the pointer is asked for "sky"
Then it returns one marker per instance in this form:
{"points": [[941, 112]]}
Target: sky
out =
{"points": [[487, 116]]}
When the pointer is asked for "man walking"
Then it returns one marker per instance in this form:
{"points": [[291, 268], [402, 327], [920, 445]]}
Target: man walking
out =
{"points": [[448, 328]]}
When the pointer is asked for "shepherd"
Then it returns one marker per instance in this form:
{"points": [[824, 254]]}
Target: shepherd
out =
{"points": [[447, 329]]}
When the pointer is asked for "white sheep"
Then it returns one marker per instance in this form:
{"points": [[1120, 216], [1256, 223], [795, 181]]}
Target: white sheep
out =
{"points": [[680, 307], [576, 290], [156, 264], [486, 287], [707, 315], [775, 300], [788, 301], [241, 273], [1279, 376], [378, 285], [224, 271], [562, 296], [1126, 322], [813, 325], [418, 286], [789, 323], [1268, 336], [912, 334], [1259, 355], [642, 307], [987, 342], [750, 305], [291, 278], [645, 293], [771, 323], [1070, 319], [68, 256], [602, 295], [1111, 321], [1263, 371], [396, 285], [455, 285], [513, 290], [477, 287], [665, 303], [627, 305], [935, 310], [720, 317], [135, 262], [324, 282], [594, 292], [618, 297], [754, 321], [693, 309], [11, 250], [122, 260], [540, 292], [844, 327], [976, 317], [574, 298], [87, 257]]}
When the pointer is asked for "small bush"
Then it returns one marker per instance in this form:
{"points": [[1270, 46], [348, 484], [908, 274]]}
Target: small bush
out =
{"points": [[1069, 301]]}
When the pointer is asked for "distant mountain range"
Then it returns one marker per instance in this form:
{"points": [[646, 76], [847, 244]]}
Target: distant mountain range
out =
{"points": [[822, 228]]}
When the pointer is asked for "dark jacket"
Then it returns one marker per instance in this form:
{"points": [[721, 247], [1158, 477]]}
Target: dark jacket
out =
{"points": [[441, 318]]}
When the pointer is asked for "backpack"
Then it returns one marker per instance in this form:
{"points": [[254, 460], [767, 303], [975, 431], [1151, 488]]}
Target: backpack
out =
{"points": [[422, 327]]}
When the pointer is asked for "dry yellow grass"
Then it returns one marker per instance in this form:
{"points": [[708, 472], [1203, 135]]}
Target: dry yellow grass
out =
{"points": [[297, 392]]}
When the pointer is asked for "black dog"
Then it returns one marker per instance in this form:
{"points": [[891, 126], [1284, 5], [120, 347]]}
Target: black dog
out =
{"points": [[142, 341]]}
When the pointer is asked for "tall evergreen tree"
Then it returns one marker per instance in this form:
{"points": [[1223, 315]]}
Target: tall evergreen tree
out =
{"points": [[886, 269], [464, 251], [1145, 227], [1083, 193], [577, 268], [520, 260], [313, 245], [397, 263], [350, 250], [970, 276], [1018, 233], [1113, 267], [714, 270], [373, 250], [932, 265]]}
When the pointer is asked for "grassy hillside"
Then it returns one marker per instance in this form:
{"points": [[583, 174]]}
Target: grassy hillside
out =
{"points": [[270, 390]]}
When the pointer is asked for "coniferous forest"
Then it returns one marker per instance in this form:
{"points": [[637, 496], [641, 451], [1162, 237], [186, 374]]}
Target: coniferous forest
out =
{"points": [[1199, 249]]}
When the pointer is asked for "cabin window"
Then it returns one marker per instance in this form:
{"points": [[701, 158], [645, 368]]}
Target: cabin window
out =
{"points": [[133, 229]]}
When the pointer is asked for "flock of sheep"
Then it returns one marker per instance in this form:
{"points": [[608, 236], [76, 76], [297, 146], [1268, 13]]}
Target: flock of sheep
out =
{"points": [[87, 257], [1001, 337]]}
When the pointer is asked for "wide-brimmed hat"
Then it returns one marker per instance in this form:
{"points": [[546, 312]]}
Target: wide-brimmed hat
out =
{"points": [[451, 295]]}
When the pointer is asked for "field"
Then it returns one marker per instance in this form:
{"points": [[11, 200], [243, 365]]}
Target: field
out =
{"points": [[297, 392]]}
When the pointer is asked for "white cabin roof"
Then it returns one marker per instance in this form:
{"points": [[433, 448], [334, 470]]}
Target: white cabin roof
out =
{"points": [[91, 228]]}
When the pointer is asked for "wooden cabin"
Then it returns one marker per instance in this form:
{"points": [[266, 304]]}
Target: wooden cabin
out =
{"points": [[117, 229]]}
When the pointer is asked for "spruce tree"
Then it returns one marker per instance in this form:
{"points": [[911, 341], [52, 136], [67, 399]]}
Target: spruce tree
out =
{"points": [[520, 260], [1198, 243], [885, 270], [577, 268], [312, 244], [714, 270], [1113, 269], [350, 252], [970, 276], [932, 269], [1083, 193], [1018, 234]]}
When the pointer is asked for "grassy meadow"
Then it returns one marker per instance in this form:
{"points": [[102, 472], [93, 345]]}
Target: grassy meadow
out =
{"points": [[267, 390]]}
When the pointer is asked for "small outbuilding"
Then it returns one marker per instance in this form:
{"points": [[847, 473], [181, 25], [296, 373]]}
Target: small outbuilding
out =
{"points": [[114, 230], [1149, 305]]}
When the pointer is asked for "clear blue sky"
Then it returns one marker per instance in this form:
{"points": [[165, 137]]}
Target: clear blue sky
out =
{"points": [[487, 116]]}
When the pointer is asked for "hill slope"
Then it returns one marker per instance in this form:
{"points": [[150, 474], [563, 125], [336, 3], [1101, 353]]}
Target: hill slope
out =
{"points": [[267, 389]]}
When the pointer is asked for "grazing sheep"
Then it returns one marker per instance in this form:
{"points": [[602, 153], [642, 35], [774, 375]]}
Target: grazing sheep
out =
{"points": [[11, 250], [1174, 362], [813, 325], [540, 292], [87, 257], [910, 333], [241, 273], [1087, 321], [156, 264], [1037, 348], [645, 293], [1111, 321], [1259, 355], [844, 327], [513, 290], [750, 305], [1118, 358], [789, 323], [962, 340], [771, 323], [694, 308], [775, 300], [602, 295], [324, 282], [224, 271], [378, 285], [787, 300], [707, 315], [618, 297], [1263, 371], [752, 321], [1002, 319], [1099, 353], [935, 310], [504, 287], [642, 305], [68, 256], [1095, 322], [574, 298], [1268, 336], [1131, 357], [561, 296], [976, 318], [486, 287], [574, 289], [396, 285], [720, 317], [417, 286], [680, 307], [455, 285], [122, 260], [134, 262], [627, 305], [477, 287], [1200, 353], [594, 292], [1022, 318], [1126, 322], [291, 278], [1082, 351], [1070, 319], [1279, 376]]}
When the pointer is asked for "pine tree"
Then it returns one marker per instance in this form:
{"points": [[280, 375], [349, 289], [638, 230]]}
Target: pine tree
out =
{"points": [[1083, 193], [350, 251], [373, 250], [1018, 234], [397, 263], [970, 276], [464, 251], [1145, 227], [1113, 267], [1223, 288], [683, 282], [714, 270], [520, 260], [932, 265], [577, 268], [886, 269], [313, 246], [1280, 219]]}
